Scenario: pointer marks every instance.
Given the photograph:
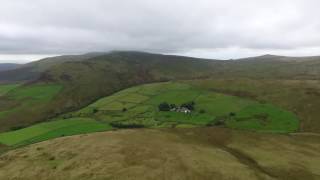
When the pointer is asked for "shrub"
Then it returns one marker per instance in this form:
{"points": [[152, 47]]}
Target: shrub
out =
{"points": [[202, 111], [164, 107], [95, 110], [124, 109], [232, 114], [17, 128], [52, 158], [219, 123]]}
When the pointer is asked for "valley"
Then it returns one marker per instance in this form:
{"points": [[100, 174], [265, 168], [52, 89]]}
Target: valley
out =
{"points": [[131, 112], [159, 90], [137, 107]]}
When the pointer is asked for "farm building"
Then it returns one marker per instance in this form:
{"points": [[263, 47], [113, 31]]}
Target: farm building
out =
{"points": [[181, 109]]}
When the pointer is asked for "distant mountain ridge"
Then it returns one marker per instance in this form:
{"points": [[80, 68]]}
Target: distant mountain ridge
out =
{"points": [[282, 58], [266, 63], [33, 70], [8, 66]]}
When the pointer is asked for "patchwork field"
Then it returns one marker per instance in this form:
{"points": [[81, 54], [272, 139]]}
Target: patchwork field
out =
{"points": [[139, 106], [299, 96]]}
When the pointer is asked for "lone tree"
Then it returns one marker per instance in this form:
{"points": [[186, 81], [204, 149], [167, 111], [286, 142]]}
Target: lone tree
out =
{"points": [[164, 107]]}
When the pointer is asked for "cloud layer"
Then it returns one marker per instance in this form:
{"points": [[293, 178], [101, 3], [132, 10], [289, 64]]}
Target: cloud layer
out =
{"points": [[221, 28]]}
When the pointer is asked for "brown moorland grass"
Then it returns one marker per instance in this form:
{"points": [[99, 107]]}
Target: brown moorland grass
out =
{"points": [[195, 153]]}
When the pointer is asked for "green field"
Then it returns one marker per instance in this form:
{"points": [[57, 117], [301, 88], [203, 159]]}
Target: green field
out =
{"points": [[42, 92], [50, 130], [141, 108], [138, 107], [27, 98], [7, 87]]}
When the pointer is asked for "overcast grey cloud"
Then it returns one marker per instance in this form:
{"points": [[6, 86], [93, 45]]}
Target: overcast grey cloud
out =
{"points": [[203, 28]]}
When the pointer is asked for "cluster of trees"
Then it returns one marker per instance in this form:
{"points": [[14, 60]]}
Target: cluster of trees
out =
{"points": [[166, 106], [188, 105]]}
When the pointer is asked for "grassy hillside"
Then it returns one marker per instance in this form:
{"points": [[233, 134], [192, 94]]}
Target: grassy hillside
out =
{"points": [[80, 95], [139, 106], [84, 80], [49, 130], [299, 96], [46, 63], [32, 71], [24, 105], [205, 153], [4, 89]]}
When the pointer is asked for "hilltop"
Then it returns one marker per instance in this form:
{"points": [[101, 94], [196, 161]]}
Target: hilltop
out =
{"points": [[300, 66]]}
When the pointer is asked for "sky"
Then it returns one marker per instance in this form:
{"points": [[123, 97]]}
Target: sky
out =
{"points": [[216, 29]]}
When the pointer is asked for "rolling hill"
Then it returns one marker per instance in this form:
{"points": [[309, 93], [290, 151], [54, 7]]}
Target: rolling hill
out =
{"points": [[138, 107], [32, 71], [77, 81], [255, 117], [260, 66]]}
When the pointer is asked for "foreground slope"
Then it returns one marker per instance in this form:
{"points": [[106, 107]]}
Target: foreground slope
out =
{"points": [[205, 153]]}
